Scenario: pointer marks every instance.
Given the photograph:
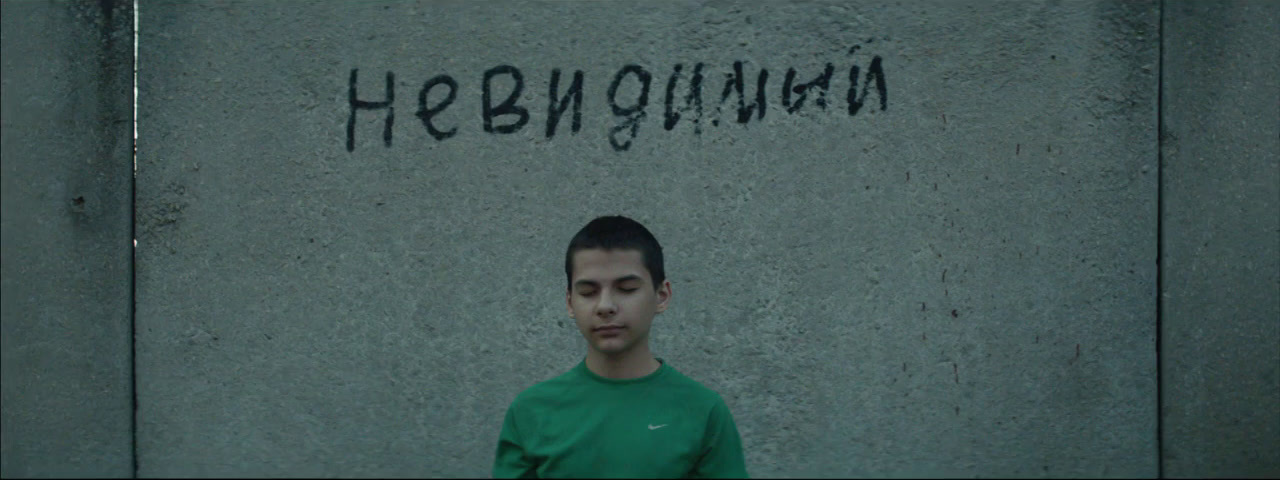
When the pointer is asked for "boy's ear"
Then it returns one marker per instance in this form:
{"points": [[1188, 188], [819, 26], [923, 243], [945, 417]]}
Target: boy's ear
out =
{"points": [[664, 296]]}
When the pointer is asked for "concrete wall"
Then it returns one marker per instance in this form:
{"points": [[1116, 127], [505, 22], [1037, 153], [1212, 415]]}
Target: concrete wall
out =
{"points": [[66, 268], [351, 219], [953, 274], [1220, 335]]}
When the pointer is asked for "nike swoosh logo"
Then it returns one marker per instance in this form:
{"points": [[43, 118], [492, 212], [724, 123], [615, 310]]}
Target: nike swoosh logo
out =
{"points": [[652, 427]]}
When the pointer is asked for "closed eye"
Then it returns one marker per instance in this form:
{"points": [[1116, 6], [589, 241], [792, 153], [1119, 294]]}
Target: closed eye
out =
{"points": [[628, 290]]}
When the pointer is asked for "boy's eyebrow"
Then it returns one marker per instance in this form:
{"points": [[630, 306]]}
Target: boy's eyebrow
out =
{"points": [[585, 282]]}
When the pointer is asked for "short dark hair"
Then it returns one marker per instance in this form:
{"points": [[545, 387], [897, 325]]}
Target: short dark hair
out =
{"points": [[617, 233]]}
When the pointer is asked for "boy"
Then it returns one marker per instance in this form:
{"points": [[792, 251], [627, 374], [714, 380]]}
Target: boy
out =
{"points": [[620, 412]]}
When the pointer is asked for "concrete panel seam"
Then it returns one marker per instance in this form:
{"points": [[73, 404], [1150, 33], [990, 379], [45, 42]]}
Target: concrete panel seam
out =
{"points": [[1160, 243]]}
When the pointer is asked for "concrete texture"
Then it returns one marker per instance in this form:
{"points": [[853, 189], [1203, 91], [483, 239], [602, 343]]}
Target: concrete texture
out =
{"points": [[66, 236], [331, 287], [1221, 252], [959, 281]]}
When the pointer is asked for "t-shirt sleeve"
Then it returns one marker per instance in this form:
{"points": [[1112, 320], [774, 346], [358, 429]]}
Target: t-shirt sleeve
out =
{"points": [[510, 461], [721, 447]]}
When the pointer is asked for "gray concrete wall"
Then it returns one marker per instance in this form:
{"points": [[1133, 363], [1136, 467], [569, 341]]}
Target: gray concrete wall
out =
{"points": [[1221, 251], [947, 270], [952, 275], [65, 273]]}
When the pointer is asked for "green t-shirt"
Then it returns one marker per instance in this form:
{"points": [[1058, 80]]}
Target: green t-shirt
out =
{"points": [[579, 424]]}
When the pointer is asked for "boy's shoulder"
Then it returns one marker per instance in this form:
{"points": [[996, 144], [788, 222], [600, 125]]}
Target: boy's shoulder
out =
{"points": [[689, 387], [552, 386]]}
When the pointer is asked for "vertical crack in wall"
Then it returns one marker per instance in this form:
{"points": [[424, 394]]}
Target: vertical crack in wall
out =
{"points": [[133, 257], [1160, 244], [135, 94]]}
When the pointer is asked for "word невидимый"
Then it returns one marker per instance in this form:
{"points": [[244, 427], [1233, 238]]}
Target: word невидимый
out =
{"points": [[792, 96]]}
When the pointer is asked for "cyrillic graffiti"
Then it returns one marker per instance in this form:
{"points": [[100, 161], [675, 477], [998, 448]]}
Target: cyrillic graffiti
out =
{"points": [[509, 116]]}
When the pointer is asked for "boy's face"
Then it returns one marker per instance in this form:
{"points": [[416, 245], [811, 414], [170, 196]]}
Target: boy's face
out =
{"points": [[612, 287]]}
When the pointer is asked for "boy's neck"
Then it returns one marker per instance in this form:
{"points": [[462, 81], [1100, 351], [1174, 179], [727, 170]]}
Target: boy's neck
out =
{"points": [[636, 365]]}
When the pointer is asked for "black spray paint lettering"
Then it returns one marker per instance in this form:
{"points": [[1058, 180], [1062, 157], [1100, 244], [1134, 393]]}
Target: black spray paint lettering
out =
{"points": [[496, 119], [631, 115], [554, 110], [508, 106], [425, 113], [692, 100], [362, 105], [734, 82], [822, 83], [874, 71]]}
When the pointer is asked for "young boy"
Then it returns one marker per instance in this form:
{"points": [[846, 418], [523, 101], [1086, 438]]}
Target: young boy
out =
{"points": [[620, 412]]}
